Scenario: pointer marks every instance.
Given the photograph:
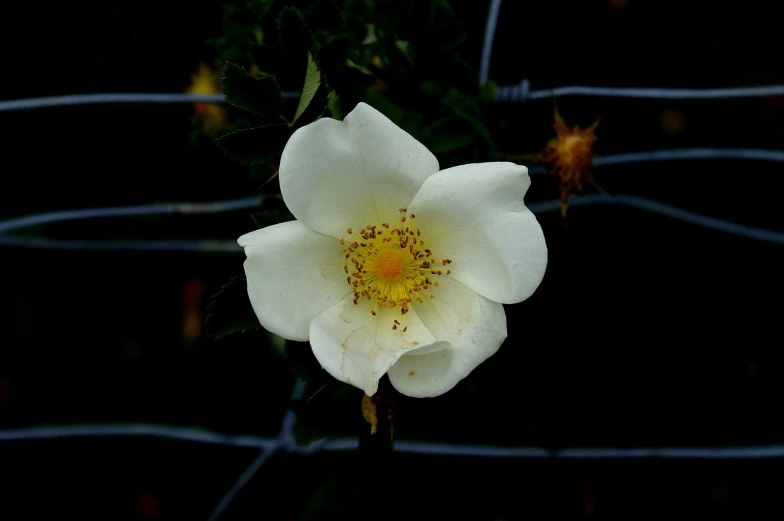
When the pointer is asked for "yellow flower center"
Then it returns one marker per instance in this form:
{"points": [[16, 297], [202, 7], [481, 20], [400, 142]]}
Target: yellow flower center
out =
{"points": [[391, 265]]}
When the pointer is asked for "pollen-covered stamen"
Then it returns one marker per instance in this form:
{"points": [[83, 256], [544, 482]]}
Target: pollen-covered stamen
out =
{"points": [[390, 265]]}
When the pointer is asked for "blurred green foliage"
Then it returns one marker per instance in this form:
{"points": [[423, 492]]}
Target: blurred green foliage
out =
{"points": [[402, 57]]}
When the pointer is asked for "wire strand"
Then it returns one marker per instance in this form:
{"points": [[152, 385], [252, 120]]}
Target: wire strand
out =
{"points": [[521, 92], [507, 93], [407, 446], [487, 46], [129, 211], [115, 98], [248, 203], [242, 481]]}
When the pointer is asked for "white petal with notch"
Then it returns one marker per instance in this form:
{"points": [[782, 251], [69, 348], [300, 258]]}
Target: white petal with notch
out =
{"points": [[351, 173], [475, 328], [358, 348]]}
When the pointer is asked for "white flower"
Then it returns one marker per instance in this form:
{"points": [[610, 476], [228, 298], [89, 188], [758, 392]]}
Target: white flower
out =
{"points": [[392, 266]]}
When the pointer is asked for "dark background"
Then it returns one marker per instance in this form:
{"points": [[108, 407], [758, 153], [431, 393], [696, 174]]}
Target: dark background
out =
{"points": [[646, 331]]}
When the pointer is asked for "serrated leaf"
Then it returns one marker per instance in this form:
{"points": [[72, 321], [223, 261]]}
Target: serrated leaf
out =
{"points": [[270, 217], [258, 95], [257, 145], [230, 310], [311, 87]]}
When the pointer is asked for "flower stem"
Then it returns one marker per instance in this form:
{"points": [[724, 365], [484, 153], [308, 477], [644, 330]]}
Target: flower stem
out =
{"points": [[378, 411]]}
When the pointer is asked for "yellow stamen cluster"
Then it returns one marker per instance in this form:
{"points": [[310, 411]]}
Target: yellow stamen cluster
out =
{"points": [[391, 266]]}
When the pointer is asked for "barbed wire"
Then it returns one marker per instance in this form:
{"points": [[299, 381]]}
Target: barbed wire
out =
{"points": [[173, 245], [115, 98], [507, 93], [521, 92], [250, 203], [539, 207], [129, 211], [404, 446]]}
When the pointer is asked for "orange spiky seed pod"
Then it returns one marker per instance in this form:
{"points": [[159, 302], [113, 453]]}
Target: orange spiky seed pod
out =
{"points": [[570, 156]]}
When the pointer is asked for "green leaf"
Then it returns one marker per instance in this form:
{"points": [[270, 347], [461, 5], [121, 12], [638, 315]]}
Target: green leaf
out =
{"points": [[447, 134], [408, 120], [258, 95], [467, 109], [310, 89], [462, 104], [257, 145], [481, 129], [230, 310]]}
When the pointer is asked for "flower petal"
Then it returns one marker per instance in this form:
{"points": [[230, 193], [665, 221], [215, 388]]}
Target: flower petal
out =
{"points": [[293, 275], [474, 215], [335, 175], [475, 328], [358, 348]]}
